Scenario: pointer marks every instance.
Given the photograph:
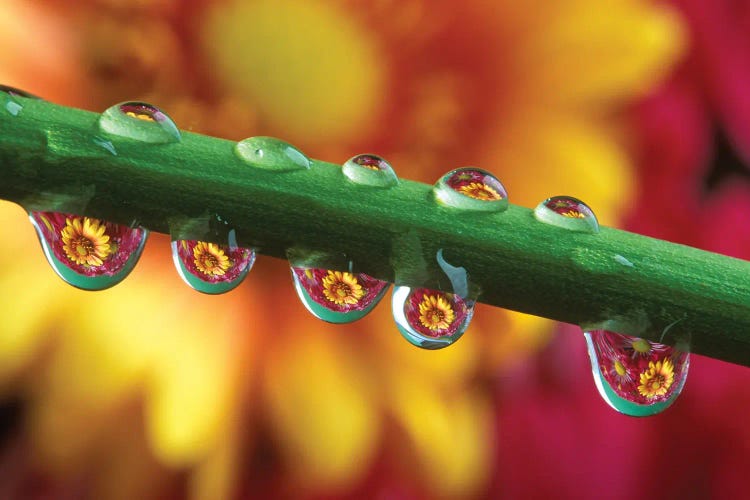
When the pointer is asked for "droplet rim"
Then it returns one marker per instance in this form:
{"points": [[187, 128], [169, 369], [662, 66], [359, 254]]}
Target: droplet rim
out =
{"points": [[207, 287], [383, 177], [399, 298], [447, 195], [588, 224], [81, 281], [619, 403], [161, 129], [329, 316]]}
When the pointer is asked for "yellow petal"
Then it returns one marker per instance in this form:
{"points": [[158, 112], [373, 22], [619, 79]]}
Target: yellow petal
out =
{"points": [[321, 406]]}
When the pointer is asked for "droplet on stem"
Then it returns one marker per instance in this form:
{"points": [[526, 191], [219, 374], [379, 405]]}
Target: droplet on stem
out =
{"points": [[370, 170], [636, 376], [430, 319], [567, 212], [471, 188], [88, 253], [210, 267], [271, 154], [139, 121], [337, 296]]}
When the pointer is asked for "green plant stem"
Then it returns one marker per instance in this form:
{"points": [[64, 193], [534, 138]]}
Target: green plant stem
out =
{"points": [[626, 282]]}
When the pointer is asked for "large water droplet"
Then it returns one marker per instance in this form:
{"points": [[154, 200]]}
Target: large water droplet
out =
{"points": [[430, 319], [139, 121], [635, 376], [567, 212], [271, 154], [210, 267], [370, 170], [88, 253], [471, 189], [337, 296]]}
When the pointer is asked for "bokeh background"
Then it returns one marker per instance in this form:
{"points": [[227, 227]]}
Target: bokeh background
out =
{"points": [[151, 390]]}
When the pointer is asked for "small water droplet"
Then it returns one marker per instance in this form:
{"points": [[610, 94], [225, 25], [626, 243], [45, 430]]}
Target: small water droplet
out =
{"points": [[88, 253], [567, 212], [622, 260], [271, 154], [210, 267], [105, 144], [139, 121], [471, 189], [370, 170], [337, 296], [430, 319], [635, 376]]}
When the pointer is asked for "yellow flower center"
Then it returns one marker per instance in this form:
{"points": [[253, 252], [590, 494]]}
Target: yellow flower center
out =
{"points": [[210, 259], [480, 191], [620, 368], [85, 241], [573, 214], [342, 288], [657, 380], [435, 312], [140, 116], [641, 346]]}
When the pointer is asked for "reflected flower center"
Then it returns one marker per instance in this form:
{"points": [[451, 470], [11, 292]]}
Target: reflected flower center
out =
{"points": [[435, 312], [480, 191], [657, 380], [342, 288], [210, 259], [85, 241]]}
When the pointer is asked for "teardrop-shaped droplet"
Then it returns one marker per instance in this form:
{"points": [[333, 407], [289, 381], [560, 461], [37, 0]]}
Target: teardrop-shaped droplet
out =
{"points": [[430, 319], [139, 121], [635, 376], [210, 267], [271, 154], [88, 253], [567, 212], [337, 296], [471, 188], [370, 170]]}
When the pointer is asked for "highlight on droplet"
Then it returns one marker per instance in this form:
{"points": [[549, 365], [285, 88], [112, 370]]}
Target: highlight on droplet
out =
{"points": [[370, 170], [567, 212], [210, 267], [88, 253], [635, 376], [337, 296], [139, 121], [471, 188], [430, 319]]}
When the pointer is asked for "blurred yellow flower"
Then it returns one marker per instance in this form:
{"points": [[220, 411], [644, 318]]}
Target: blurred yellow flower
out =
{"points": [[529, 90]]}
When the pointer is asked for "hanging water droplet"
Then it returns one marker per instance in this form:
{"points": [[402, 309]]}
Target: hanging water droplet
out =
{"points": [[271, 154], [88, 253], [635, 376], [370, 170], [209, 267], [430, 319], [471, 189], [567, 212], [139, 121], [337, 296]]}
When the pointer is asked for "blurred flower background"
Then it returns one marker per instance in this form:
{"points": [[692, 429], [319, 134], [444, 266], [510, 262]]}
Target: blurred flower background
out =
{"points": [[151, 390]]}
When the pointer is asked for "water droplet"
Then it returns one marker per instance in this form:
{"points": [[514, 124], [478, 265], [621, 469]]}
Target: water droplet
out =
{"points": [[139, 121], [430, 319], [337, 296], [271, 154], [471, 189], [210, 267], [567, 212], [88, 253], [635, 376], [370, 170], [106, 145]]}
